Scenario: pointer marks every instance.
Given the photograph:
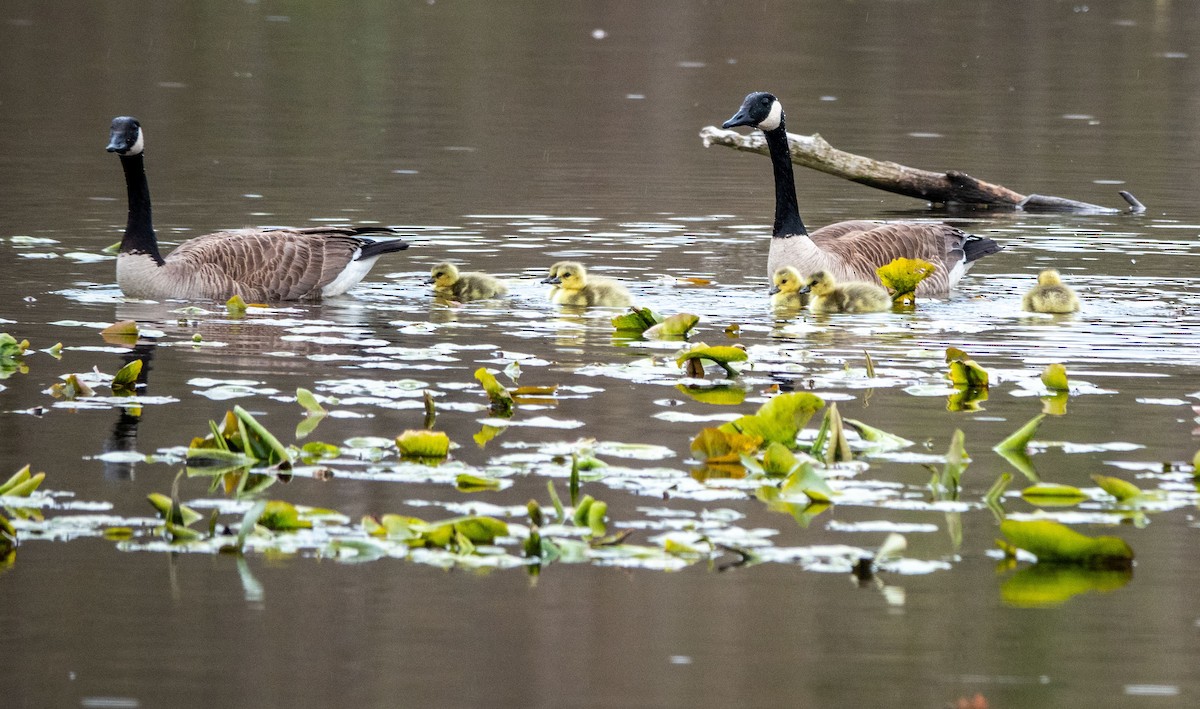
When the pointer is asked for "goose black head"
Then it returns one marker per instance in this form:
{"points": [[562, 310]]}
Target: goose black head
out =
{"points": [[761, 110], [125, 136]]}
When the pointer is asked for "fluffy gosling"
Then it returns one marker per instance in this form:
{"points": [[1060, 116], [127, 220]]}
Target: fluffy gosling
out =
{"points": [[857, 297], [575, 287], [785, 291], [448, 282], [1050, 295]]}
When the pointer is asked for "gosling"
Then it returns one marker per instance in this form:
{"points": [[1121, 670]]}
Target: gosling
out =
{"points": [[785, 291], [1050, 295], [830, 297], [551, 275], [448, 282], [575, 287]]}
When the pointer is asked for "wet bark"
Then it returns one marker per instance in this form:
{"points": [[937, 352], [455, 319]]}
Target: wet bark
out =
{"points": [[951, 187]]}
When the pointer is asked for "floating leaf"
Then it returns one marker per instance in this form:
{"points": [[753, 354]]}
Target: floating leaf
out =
{"points": [[722, 355], [71, 389], [249, 519], [966, 373], [956, 463], [476, 483], [1117, 487], [901, 277], [17, 478], [835, 447], [675, 326], [235, 306], [171, 512], [124, 382], [714, 445], [423, 444], [502, 401], [778, 460], [275, 453], [1052, 542], [10, 347], [779, 419], [636, 320], [26, 487], [597, 516], [807, 480], [487, 433], [316, 450], [121, 329], [1054, 377], [994, 493], [1019, 440], [308, 400], [1053, 495], [280, 516], [882, 440]]}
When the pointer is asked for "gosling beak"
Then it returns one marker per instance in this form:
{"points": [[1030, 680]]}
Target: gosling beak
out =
{"points": [[804, 290], [429, 281], [773, 291], [741, 118], [552, 279]]}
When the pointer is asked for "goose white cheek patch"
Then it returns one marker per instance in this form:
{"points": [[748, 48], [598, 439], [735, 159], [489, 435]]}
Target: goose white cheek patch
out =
{"points": [[139, 146], [774, 118]]}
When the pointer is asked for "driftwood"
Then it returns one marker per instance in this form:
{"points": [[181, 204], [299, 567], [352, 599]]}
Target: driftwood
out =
{"points": [[950, 187]]}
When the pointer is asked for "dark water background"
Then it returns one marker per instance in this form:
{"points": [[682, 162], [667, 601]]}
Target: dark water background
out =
{"points": [[509, 135]]}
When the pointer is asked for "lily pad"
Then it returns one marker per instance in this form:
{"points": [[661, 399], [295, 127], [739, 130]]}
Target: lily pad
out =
{"points": [[675, 326], [1118, 488], [716, 445], [1052, 542], [779, 419], [902, 276], [722, 355], [502, 400], [1054, 377], [636, 320], [124, 382], [423, 444], [280, 516]]}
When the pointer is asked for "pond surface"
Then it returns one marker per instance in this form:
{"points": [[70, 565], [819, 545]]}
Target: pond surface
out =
{"points": [[506, 138]]}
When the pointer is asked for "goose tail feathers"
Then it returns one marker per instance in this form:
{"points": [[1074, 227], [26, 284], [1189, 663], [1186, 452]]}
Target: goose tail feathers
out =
{"points": [[976, 247]]}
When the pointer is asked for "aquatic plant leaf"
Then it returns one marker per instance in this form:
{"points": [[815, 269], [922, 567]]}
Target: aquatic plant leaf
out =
{"points": [[779, 419], [835, 448], [308, 424], [71, 389], [870, 364], [1054, 377], [423, 444], [17, 478], [1020, 438], [180, 533], [248, 521], [807, 480], [636, 320], [10, 348], [26, 487], [235, 306], [466, 482], [893, 547], [995, 493], [1046, 586], [1053, 495], [778, 460], [486, 433], [476, 530], [121, 329], [317, 450], [308, 400], [559, 512], [1118, 488], [802, 511], [722, 395], [966, 399], [8, 533], [1052, 542], [277, 453], [966, 373], [882, 440], [674, 326], [1019, 459], [597, 518], [124, 382], [957, 461], [901, 277], [722, 355], [180, 515], [280, 516], [502, 401], [716, 445], [581, 510]]}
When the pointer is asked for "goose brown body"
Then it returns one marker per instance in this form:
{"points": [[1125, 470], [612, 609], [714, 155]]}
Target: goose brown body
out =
{"points": [[260, 265], [1050, 295]]}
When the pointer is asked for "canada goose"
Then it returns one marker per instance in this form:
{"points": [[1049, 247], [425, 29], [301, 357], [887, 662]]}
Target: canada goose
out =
{"points": [[828, 296], [785, 289], [576, 287], [851, 250], [449, 282], [257, 264], [1050, 295]]}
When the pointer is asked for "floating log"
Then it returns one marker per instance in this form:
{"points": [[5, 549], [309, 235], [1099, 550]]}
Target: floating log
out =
{"points": [[951, 187]]}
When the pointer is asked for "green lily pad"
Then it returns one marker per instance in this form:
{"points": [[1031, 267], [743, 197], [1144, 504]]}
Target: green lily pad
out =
{"points": [[778, 460], [1117, 487], [675, 326], [476, 483], [183, 515], [71, 389], [502, 401], [423, 444], [1054, 377], [881, 440], [636, 320], [722, 355], [1052, 542], [124, 382], [280, 516], [779, 419], [308, 400], [902, 276], [714, 445]]}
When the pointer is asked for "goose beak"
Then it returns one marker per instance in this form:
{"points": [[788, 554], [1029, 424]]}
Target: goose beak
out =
{"points": [[773, 291], [116, 143], [741, 118], [552, 279]]}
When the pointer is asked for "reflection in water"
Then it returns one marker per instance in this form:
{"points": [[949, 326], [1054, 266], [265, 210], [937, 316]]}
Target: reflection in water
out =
{"points": [[1049, 585], [123, 437]]}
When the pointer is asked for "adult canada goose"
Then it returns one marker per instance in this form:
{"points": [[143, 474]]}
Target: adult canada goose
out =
{"points": [[576, 287], [449, 282], [1050, 295], [785, 289], [257, 264], [851, 250], [828, 296]]}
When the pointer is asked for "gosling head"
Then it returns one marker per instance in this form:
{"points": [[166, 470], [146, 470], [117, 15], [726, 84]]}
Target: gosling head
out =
{"points": [[552, 274], [819, 283], [571, 276], [125, 137], [1049, 277], [786, 280], [761, 110], [443, 275]]}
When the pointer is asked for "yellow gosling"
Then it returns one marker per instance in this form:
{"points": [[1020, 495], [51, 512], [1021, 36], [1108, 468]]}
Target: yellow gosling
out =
{"points": [[785, 289], [1050, 295], [857, 297], [551, 278], [575, 287], [449, 282]]}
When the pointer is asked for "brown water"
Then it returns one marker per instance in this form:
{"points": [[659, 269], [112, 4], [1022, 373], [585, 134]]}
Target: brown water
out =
{"points": [[509, 136]]}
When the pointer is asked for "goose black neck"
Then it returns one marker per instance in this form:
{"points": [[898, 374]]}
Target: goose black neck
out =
{"points": [[139, 229], [787, 211]]}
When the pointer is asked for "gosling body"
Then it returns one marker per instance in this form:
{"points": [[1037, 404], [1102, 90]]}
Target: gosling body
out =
{"points": [[1050, 295], [260, 265], [785, 289], [576, 287], [851, 250], [829, 296], [449, 282]]}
